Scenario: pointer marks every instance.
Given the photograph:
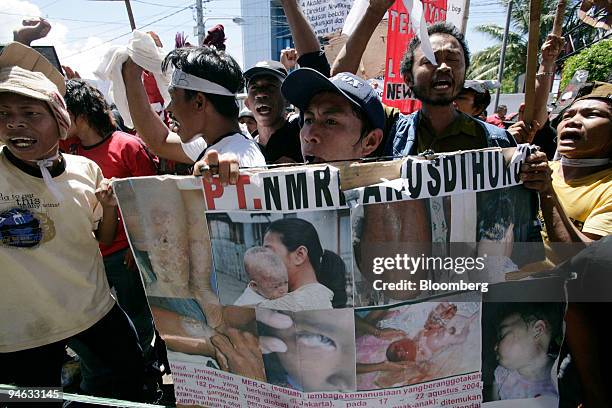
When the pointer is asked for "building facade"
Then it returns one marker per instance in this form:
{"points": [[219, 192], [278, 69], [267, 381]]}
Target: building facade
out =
{"points": [[265, 31]]}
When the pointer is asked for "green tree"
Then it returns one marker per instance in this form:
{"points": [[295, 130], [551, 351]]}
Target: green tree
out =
{"points": [[597, 59], [485, 63]]}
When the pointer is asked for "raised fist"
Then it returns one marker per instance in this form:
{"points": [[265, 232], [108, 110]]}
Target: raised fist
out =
{"points": [[289, 58], [32, 29]]}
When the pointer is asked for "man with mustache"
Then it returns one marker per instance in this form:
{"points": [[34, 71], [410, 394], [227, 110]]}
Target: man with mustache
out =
{"points": [[438, 126]]}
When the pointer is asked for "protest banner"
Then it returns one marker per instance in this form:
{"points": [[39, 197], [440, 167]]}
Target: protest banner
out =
{"points": [[399, 34], [326, 16], [341, 285]]}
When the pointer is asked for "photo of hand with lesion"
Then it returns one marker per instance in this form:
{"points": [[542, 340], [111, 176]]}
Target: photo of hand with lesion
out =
{"points": [[231, 346], [409, 344]]}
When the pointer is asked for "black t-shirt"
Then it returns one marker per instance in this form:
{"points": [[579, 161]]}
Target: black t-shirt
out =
{"points": [[285, 142], [315, 60], [546, 138]]}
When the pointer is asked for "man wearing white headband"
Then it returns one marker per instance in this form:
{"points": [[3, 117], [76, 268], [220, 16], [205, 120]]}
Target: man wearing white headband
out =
{"points": [[576, 192], [203, 91], [53, 210]]}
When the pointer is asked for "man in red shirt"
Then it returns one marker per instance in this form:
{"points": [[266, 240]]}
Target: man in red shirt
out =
{"points": [[119, 155], [497, 119]]}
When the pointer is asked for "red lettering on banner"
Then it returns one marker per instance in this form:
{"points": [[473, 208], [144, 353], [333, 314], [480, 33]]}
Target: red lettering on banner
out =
{"points": [[211, 191], [242, 180], [399, 35]]}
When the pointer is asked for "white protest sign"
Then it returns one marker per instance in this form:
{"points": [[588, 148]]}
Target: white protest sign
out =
{"points": [[326, 16]]}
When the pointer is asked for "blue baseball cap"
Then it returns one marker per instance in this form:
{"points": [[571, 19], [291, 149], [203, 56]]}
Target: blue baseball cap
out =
{"points": [[303, 84]]}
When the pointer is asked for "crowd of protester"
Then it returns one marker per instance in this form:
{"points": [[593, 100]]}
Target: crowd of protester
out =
{"points": [[59, 293]]}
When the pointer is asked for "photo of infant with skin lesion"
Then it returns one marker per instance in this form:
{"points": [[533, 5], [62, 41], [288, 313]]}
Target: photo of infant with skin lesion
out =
{"points": [[165, 222], [409, 344], [267, 274]]}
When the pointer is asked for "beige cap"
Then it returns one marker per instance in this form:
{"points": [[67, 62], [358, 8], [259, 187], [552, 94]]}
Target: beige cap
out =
{"points": [[36, 85], [18, 55]]}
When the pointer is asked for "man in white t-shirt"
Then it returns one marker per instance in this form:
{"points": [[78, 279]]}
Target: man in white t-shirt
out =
{"points": [[55, 210], [203, 105]]}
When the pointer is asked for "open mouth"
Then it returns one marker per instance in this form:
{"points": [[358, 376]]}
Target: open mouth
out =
{"points": [[442, 84], [313, 159], [569, 135], [263, 109], [22, 142], [175, 125]]}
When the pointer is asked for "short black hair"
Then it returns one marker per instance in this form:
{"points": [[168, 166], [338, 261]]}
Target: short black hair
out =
{"points": [[436, 28], [84, 100], [214, 65], [366, 128], [481, 101], [530, 312]]}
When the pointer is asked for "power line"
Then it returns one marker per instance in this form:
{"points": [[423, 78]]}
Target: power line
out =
{"points": [[155, 4], [47, 17], [123, 35], [50, 4], [60, 18], [115, 28]]}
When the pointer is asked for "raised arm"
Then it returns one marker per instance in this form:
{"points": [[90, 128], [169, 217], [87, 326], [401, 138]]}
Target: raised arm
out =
{"points": [[303, 35], [31, 29], [349, 57], [544, 78], [148, 125]]}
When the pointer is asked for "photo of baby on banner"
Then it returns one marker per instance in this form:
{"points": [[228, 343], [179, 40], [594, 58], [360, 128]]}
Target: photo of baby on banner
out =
{"points": [[282, 261], [521, 338], [414, 343]]}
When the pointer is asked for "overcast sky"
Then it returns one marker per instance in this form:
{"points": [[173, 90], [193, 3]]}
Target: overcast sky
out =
{"points": [[83, 29]]}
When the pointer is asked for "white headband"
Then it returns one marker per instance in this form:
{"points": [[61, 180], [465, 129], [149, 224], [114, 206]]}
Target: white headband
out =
{"points": [[184, 80]]}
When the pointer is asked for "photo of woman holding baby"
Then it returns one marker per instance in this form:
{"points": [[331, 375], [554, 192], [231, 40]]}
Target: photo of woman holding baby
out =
{"points": [[290, 262], [314, 273]]}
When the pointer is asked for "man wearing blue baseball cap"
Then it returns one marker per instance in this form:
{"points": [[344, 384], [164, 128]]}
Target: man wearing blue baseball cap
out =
{"points": [[343, 119]]}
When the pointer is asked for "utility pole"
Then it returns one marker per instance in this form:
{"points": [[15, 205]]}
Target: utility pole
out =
{"points": [[130, 15], [502, 56], [129, 11], [199, 22]]}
